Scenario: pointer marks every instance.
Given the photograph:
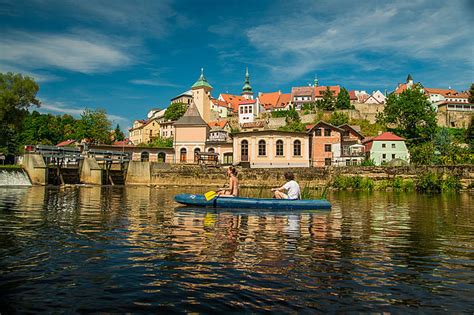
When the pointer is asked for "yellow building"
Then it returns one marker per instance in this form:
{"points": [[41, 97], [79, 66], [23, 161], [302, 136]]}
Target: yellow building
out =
{"points": [[271, 148], [143, 131]]}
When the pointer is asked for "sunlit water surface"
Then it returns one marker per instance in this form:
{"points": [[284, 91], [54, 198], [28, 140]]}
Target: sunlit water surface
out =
{"points": [[109, 249]]}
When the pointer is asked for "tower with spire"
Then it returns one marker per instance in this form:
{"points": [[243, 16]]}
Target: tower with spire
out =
{"points": [[316, 82], [201, 91], [247, 88]]}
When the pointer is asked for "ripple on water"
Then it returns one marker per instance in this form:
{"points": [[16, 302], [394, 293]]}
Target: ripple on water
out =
{"points": [[108, 249]]}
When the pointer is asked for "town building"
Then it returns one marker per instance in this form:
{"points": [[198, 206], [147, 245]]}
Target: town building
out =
{"points": [[201, 91], [385, 148], [454, 114], [302, 95], [190, 135], [437, 96], [271, 149], [325, 140], [232, 102], [220, 108], [185, 98], [143, 131], [247, 110], [167, 129], [352, 149]]}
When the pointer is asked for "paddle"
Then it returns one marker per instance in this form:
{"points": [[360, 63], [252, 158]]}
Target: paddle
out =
{"points": [[210, 195]]}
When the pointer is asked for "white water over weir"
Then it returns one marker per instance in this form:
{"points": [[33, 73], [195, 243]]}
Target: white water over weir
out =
{"points": [[14, 177]]}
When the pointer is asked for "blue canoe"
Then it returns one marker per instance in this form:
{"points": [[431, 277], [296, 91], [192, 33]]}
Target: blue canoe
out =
{"points": [[251, 203]]}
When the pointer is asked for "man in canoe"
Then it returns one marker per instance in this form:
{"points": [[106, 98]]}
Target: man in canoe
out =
{"points": [[291, 187], [233, 190]]}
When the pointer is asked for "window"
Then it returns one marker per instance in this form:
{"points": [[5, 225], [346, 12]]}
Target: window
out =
{"points": [[162, 157], [297, 148], [384, 145], [327, 148], [182, 155], [393, 145], [327, 132], [196, 154], [244, 151], [145, 156], [384, 156], [262, 147], [317, 132], [211, 150], [393, 156], [327, 161], [279, 148]]}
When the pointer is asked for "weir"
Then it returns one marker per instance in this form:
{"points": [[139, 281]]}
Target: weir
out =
{"points": [[14, 177]]}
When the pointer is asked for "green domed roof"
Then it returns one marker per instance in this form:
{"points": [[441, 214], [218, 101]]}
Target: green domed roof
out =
{"points": [[247, 88], [201, 81]]}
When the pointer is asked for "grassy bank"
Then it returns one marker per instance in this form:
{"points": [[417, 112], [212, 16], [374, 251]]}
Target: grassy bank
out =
{"points": [[425, 182], [10, 167]]}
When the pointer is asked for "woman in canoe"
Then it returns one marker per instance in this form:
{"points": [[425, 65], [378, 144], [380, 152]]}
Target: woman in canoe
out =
{"points": [[291, 187], [233, 190]]}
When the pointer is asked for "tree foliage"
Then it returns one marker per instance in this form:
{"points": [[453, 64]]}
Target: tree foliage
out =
{"points": [[94, 126], [118, 134], [158, 142], [368, 129], [339, 118], [17, 94], [471, 94], [343, 100], [328, 102], [175, 111], [411, 113]]}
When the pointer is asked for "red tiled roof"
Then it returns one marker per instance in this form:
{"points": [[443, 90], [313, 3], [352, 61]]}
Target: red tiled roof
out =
{"points": [[269, 100], [283, 100], [302, 91], [65, 143], [353, 96], [386, 136], [233, 101], [219, 103], [318, 90], [255, 124], [447, 92], [123, 143], [245, 102], [218, 123]]}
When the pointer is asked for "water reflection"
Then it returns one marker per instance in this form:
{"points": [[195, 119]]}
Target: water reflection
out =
{"points": [[132, 249]]}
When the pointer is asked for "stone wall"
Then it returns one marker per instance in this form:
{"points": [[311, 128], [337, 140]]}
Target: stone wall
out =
{"points": [[191, 175]]}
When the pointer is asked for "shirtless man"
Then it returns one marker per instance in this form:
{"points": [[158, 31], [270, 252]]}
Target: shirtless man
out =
{"points": [[233, 190]]}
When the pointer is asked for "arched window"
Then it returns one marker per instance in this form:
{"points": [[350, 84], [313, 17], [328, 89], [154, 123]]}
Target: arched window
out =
{"points": [[297, 148], [196, 154], [279, 148], [182, 155], [244, 151], [262, 147], [211, 150], [145, 156], [162, 157]]}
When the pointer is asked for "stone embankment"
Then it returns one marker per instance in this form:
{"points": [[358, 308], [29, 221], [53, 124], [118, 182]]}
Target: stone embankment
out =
{"points": [[185, 175]]}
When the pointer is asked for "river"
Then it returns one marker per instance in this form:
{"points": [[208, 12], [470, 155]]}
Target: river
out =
{"points": [[132, 249]]}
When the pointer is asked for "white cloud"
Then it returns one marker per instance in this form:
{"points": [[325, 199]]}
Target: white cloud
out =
{"points": [[153, 82], [85, 53], [364, 34]]}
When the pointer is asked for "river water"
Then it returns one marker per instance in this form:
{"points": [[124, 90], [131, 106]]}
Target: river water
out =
{"points": [[131, 249]]}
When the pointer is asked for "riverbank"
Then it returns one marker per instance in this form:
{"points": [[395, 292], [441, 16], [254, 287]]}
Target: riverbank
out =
{"points": [[354, 177]]}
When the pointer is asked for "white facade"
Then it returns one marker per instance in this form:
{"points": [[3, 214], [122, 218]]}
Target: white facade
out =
{"points": [[246, 113]]}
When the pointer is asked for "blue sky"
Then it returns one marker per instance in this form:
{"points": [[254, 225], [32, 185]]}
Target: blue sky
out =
{"points": [[131, 56]]}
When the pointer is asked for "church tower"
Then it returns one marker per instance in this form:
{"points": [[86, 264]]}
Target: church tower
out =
{"points": [[247, 89], [201, 91]]}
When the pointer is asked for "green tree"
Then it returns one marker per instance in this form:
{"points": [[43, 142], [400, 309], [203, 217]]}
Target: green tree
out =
{"points": [[422, 154], [328, 102], [17, 94], [366, 128], [158, 142], [470, 134], [94, 126], [175, 111], [118, 134], [343, 100], [411, 113], [338, 118], [471, 94]]}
